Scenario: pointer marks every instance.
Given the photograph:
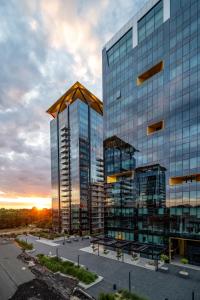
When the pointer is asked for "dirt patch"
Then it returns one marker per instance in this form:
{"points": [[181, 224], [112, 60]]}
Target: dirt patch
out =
{"points": [[36, 289]]}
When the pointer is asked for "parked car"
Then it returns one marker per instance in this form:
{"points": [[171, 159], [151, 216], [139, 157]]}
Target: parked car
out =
{"points": [[86, 237]]}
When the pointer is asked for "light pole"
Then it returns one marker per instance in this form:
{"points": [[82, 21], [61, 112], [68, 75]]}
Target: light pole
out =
{"points": [[78, 260], [64, 239], [129, 281]]}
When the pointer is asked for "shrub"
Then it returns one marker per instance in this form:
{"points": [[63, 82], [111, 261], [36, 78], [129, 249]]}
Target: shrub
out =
{"points": [[122, 295], [103, 296], [125, 295], [164, 258], [184, 261], [47, 234], [56, 264]]}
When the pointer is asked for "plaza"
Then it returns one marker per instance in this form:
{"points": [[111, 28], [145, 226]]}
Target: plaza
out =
{"points": [[144, 281]]}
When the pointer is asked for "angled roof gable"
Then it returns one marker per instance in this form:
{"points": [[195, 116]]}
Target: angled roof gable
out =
{"points": [[76, 91]]}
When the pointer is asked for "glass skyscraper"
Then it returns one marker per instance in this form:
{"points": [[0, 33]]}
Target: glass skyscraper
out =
{"points": [[151, 92], [77, 161]]}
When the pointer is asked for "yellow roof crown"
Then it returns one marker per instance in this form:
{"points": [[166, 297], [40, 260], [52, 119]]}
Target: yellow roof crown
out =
{"points": [[76, 91]]}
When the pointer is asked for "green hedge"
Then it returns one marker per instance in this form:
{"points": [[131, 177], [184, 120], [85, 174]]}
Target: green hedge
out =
{"points": [[121, 295], [24, 245], [107, 296], [47, 235], [56, 264]]}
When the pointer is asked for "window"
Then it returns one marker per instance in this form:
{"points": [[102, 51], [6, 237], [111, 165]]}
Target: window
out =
{"points": [[155, 127], [149, 73], [118, 94], [152, 20], [184, 179], [120, 49], [111, 179]]}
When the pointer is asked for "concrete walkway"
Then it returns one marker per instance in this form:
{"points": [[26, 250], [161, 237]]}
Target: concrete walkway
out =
{"points": [[126, 258], [47, 242]]}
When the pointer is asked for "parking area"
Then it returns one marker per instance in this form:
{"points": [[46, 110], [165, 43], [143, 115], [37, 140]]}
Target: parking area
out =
{"points": [[153, 285]]}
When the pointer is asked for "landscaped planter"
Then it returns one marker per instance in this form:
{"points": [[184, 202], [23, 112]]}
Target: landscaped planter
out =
{"points": [[24, 245], [135, 257], [68, 268], [94, 248], [164, 269], [30, 251], [183, 274]]}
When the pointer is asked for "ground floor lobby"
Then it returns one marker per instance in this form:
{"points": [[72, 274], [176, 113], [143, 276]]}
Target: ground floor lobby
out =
{"points": [[184, 248]]}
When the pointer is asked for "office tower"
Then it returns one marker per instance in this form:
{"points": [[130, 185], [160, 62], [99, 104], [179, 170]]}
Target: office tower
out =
{"points": [[151, 87], [77, 161]]}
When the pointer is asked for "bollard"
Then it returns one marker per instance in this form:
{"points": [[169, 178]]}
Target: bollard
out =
{"points": [[114, 286]]}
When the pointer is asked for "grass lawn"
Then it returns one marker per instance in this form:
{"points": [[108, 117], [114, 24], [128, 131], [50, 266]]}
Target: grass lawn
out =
{"points": [[24, 245], [66, 267]]}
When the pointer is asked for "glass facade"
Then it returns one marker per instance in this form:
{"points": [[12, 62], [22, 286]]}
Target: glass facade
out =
{"points": [[120, 202], [152, 20], [76, 155], [152, 212], [170, 97], [120, 49]]}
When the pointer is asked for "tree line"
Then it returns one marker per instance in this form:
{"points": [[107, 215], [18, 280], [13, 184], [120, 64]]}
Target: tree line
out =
{"points": [[11, 218]]}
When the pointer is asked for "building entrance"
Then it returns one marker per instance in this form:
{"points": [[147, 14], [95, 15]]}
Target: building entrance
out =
{"points": [[190, 249]]}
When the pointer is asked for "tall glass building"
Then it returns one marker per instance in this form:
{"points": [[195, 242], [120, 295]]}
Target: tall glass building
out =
{"points": [[151, 76], [77, 161]]}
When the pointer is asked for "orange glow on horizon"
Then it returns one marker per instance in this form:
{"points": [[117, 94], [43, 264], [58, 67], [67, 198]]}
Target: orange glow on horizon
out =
{"points": [[25, 202]]}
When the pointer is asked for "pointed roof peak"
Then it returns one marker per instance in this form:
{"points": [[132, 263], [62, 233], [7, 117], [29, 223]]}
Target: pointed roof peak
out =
{"points": [[76, 91]]}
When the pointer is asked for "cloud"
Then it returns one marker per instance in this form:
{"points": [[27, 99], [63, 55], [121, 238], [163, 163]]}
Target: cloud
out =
{"points": [[25, 202], [45, 46]]}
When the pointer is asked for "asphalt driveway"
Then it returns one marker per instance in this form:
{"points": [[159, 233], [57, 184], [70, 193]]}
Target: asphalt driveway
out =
{"points": [[12, 271]]}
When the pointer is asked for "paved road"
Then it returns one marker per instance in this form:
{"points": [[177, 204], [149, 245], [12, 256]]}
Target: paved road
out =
{"points": [[12, 272], [154, 285]]}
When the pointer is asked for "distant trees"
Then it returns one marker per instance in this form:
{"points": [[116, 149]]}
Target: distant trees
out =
{"points": [[11, 218]]}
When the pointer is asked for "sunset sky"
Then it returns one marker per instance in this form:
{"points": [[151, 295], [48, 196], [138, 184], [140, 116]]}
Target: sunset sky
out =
{"points": [[45, 46]]}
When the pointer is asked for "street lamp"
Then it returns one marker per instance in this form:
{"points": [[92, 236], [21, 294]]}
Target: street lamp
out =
{"points": [[64, 239], [78, 260], [129, 281], [57, 253]]}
